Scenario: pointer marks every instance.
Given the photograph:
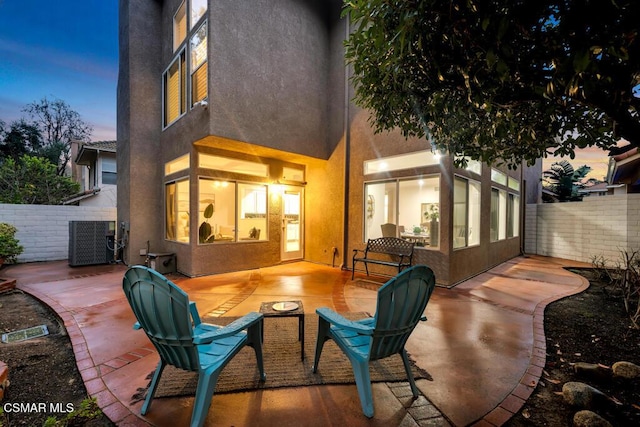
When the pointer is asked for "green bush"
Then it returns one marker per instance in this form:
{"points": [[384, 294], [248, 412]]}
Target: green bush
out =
{"points": [[9, 246]]}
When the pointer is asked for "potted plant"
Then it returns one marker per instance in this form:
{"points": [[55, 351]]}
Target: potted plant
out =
{"points": [[9, 246], [205, 234], [433, 214]]}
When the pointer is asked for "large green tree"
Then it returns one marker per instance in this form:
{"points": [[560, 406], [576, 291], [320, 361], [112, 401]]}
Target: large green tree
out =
{"points": [[33, 180], [500, 80]]}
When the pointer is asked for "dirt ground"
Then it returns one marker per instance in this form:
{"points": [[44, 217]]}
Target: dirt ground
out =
{"points": [[590, 327], [42, 371]]}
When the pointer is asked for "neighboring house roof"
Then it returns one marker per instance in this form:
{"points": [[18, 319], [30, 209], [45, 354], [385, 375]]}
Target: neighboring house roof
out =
{"points": [[624, 168], [90, 150], [601, 187], [71, 200]]}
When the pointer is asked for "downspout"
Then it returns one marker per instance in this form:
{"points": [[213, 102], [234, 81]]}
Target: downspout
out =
{"points": [[523, 206], [347, 154]]}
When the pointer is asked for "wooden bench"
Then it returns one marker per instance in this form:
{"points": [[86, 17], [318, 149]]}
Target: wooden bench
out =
{"points": [[399, 251]]}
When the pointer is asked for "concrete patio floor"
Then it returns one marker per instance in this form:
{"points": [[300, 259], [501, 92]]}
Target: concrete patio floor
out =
{"points": [[483, 344]]}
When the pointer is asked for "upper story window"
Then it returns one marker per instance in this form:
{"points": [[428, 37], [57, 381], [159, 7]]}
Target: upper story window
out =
{"points": [[198, 53], [109, 171], [179, 26], [198, 9], [174, 89], [185, 79]]}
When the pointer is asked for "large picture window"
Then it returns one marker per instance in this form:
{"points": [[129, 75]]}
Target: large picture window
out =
{"points": [[405, 208], [466, 212], [231, 211], [177, 211]]}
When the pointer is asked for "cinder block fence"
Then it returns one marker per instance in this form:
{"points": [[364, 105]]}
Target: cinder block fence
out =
{"points": [[597, 226], [43, 230]]}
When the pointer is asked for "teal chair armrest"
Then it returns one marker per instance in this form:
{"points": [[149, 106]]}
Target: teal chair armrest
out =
{"points": [[335, 319], [232, 328], [194, 313]]}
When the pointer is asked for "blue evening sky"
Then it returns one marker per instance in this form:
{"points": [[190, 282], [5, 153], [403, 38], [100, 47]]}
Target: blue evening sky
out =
{"points": [[65, 49]]}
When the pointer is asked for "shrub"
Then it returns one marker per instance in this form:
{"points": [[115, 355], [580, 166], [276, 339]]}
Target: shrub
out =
{"points": [[9, 246]]}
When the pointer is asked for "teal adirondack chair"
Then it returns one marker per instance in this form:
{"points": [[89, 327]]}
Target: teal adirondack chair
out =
{"points": [[173, 325], [401, 304]]}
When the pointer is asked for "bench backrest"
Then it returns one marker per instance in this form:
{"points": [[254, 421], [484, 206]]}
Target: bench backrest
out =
{"points": [[390, 245]]}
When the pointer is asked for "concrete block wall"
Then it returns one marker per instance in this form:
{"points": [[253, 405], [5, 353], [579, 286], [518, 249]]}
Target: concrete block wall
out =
{"points": [[595, 227], [43, 230]]}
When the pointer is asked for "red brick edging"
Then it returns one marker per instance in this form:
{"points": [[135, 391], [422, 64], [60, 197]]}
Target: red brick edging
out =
{"points": [[91, 374]]}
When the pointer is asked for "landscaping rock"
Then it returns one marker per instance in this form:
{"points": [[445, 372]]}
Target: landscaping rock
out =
{"points": [[582, 395], [589, 419], [626, 370], [592, 371]]}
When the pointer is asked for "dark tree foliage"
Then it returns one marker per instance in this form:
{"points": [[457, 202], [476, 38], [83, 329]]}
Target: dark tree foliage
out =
{"points": [[500, 80], [58, 125], [19, 139], [33, 180]]}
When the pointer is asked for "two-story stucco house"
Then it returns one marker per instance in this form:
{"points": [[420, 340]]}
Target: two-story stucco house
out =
{"points": [[94, 167], [239, 147]]}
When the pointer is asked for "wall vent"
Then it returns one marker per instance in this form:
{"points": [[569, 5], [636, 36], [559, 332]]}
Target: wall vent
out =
{"points": [[88, 242]]}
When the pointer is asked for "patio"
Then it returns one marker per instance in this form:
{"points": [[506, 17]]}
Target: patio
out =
{"points": [[483, 344]]}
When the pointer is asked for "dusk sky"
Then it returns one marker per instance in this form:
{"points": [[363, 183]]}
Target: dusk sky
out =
{"points": [[60, 49], [68, 49]]}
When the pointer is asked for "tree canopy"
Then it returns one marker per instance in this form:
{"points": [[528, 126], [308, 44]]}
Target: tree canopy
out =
{"points": [[58, 124], [500, 80], [33, 180]]}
